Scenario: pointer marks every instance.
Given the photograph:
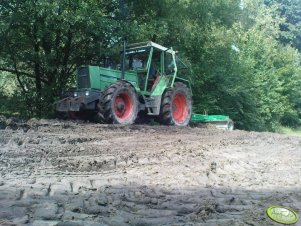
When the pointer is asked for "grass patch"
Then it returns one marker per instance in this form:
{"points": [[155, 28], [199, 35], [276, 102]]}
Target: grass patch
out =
{"points": [[289, 131]]}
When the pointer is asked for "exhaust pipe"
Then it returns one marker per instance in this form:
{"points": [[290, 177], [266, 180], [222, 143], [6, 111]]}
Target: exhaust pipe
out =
{"points": [[123, 59]]}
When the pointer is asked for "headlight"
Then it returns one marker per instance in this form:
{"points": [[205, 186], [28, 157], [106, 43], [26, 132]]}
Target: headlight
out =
{"points": [[75, 94], [87, 93]]}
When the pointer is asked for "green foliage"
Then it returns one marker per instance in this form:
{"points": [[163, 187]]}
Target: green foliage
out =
{"points": [[290, 27], [7, 83], [44, 41], [244, 58], [12, 103]]}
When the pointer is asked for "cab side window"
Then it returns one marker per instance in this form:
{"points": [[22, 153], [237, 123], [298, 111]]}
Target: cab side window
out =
{"points": [[169, 63]]}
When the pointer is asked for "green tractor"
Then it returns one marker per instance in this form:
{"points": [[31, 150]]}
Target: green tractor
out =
{"points": [[151, 82]]}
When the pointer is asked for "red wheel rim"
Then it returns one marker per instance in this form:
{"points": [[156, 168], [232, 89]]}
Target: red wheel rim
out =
{"points": [[179, 108], [123, 106]]}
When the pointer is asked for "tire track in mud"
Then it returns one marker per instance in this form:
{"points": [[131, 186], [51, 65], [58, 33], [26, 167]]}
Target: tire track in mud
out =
{"points": [[70, 173]]}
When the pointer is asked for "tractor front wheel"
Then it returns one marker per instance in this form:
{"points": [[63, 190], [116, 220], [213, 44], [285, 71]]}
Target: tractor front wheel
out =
{"points": [[176, 105], [120, 104]]}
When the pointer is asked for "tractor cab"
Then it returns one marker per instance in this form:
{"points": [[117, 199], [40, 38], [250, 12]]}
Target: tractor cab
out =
{"points": [[154, 64]]}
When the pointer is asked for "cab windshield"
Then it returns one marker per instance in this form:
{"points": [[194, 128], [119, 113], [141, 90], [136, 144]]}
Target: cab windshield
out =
{"points": [[136, 60]]}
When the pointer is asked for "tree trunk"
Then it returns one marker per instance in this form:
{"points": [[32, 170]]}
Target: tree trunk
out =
{"points": [[38, 82]]}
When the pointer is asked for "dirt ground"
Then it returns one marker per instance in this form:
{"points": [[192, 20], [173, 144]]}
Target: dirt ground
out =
{"points": [[71, 173]]}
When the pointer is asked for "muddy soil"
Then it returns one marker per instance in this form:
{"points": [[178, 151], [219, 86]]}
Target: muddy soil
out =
{"points": [[74, 173]]}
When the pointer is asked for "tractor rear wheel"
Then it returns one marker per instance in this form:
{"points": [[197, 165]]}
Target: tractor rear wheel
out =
{"points": [[176, 105], [120, 104]]}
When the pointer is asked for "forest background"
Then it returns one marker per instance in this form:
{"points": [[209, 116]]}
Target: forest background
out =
{"points": [[244, 55]]}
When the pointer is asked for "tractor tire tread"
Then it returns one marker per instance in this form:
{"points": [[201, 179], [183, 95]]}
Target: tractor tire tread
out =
{"points": [[166, 116], [107, 99]]}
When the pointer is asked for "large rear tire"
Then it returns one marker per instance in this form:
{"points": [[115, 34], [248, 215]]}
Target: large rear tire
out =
{"points": [[120, 104], [176, 105]]}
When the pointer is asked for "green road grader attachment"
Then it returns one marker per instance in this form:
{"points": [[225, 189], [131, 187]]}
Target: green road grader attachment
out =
{"points": [[220, 121]]}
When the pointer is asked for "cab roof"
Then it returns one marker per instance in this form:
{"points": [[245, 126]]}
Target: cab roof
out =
{"points": [[141, 45]]}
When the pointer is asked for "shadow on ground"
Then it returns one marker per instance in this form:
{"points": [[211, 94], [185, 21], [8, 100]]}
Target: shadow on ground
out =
{"points": [[62, 204]]}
